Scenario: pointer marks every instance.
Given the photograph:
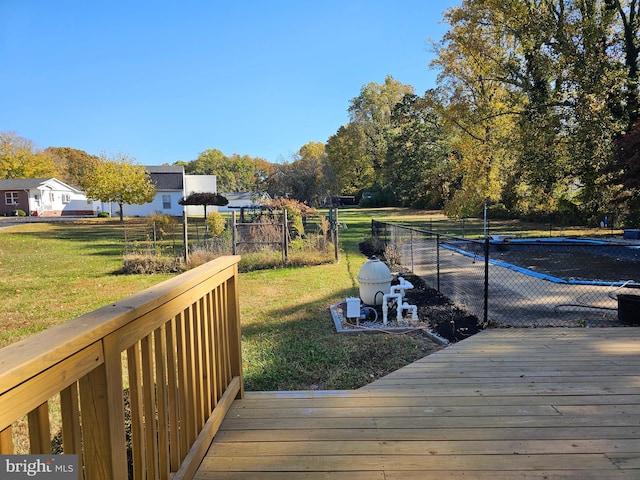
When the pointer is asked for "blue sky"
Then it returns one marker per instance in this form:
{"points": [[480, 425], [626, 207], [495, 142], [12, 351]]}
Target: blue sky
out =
{"points": [[163, 81]]}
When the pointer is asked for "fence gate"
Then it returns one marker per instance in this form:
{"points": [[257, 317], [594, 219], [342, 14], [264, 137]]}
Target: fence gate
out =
{"points": [[253, 236]]}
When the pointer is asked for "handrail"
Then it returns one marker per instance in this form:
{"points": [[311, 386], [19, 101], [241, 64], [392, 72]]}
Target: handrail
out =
{"points": [[175, 346]]}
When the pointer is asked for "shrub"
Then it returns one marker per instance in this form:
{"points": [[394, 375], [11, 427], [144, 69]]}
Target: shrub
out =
{"points": [[148, 263], [498, 211], [161, 224], [104, 214], [19, 213], [372, 246], [296, 211], [199, 256], [216, 224]]}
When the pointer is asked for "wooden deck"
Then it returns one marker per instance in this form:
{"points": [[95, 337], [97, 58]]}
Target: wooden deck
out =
{"points": [[503, 404]]}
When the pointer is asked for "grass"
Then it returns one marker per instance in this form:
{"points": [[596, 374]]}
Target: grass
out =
{"points": [[289, 340], [51, 273]]}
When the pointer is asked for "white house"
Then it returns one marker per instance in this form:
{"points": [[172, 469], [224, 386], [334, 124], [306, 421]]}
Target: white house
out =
{"points": [[45, 197], [169, 181], [172, 185]]}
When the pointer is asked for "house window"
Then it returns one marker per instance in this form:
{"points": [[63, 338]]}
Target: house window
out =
{"points": [[166, 202], [11, 198], [66, 198]]}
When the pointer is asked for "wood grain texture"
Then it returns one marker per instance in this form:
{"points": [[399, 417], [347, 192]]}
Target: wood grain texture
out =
{"points": [[503, 404]]}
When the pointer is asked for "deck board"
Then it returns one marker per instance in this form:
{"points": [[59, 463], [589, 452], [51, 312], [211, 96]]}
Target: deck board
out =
{"points": [[503, 404]]}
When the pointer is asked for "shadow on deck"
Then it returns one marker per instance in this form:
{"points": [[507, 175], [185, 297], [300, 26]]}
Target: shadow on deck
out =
{"points": [[503, 404]]}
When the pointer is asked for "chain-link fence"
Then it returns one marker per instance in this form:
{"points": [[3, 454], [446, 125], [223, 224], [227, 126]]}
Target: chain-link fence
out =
{"points": [[525, 282]]}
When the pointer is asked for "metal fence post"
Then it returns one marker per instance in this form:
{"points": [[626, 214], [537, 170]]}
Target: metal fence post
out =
{"points": [[411, 245], [486, 280], [438, 262], [234, 233]]}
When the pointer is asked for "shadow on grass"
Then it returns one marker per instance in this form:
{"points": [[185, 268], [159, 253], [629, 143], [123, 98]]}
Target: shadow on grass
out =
{"points": [[298, 348]]}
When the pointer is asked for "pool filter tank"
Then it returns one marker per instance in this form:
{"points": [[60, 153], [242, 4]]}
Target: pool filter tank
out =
{"points": [[375, 281]]}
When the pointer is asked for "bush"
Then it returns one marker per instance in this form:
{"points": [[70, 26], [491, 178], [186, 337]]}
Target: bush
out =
{"points": [[216, 224], [19, 213], [104, 215], [498, 211], [148, 263], [200, 256], [296, 211], [161, 224]]}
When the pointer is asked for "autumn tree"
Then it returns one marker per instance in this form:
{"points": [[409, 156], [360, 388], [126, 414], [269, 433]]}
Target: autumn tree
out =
{"points": [[19, 158], [235, 173], [119, 180], [346, 155], [72, 165], [308, 178], [537, 92], [626, 172], [478, 108]]}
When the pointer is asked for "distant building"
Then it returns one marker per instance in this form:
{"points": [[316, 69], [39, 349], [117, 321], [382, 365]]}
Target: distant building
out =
{"points": [[44, 197], [169, 181], [172, 185], [239, 200]]}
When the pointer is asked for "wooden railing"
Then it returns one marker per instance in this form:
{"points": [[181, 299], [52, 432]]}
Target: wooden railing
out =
{"points": [[156, 371]]}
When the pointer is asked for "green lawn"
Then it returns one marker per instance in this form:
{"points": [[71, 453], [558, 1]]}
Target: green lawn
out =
{"points": [[51, 273]]}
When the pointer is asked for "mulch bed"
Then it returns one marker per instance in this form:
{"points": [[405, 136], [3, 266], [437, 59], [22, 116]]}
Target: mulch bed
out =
{"points": [[445, 318]]}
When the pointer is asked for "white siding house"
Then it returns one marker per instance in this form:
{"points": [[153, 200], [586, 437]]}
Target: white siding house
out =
{"points": [[45, 197], [172, 185], [169, 181]]}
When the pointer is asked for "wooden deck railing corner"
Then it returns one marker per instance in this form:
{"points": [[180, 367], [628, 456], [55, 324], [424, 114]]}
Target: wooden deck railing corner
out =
{"points": [[141, 383]]}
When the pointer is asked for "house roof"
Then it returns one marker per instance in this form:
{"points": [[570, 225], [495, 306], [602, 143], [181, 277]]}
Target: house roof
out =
{"points": [[167, 177], [30, 183], [165, 169]]}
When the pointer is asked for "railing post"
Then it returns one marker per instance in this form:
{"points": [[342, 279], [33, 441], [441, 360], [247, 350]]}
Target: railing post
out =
{"points": [[39, 430], [235, 335], [103, 427], [6, 441]]}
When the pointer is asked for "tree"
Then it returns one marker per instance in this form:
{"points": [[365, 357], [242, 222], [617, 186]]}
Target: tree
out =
{"points": [[19, 158], [237, 173], [417, 161], [309, 178], [478, 107], [204, 199], [352, 168], [72, 165], [371, 110], [538, 90], [627, 172], [119, 180]]}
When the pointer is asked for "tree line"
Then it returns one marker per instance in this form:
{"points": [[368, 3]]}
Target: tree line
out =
{"points": [[535, 112]]}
